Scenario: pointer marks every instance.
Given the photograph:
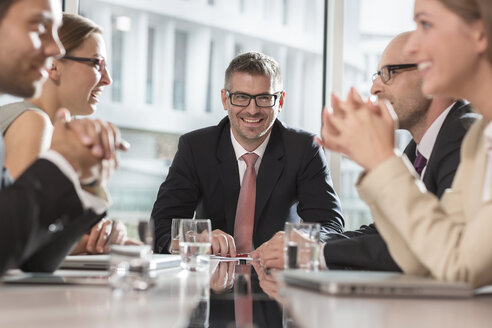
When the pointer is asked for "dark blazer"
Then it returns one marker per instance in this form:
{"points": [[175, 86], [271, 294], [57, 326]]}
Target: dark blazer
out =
{"points": [[204, 177], [365, 249], [41, 217]]}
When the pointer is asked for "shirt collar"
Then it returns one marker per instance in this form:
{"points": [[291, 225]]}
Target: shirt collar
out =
{"points": [[429, 139], [240, 151]]}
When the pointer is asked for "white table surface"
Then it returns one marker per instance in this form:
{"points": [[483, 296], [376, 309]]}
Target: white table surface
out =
{"points": [[312, 309], [178, 292], [53, 306]]}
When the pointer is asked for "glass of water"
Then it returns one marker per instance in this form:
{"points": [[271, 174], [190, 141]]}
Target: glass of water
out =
{"points": [[301, 246], [195, 240], [174, 243]]}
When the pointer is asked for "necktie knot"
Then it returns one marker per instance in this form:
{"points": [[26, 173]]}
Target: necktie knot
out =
{"points": [[419, 163], [250, 159]]}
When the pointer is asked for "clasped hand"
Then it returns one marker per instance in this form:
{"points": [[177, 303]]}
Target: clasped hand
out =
{"points": [[362, 130], [88, 145]]}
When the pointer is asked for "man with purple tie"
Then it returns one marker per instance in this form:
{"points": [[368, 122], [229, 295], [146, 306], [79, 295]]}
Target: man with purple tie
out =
{"points": [[250, 173], [437, 126]]}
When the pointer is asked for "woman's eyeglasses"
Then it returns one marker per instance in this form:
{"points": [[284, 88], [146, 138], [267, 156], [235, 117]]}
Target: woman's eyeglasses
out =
{"points": [[99, 63]]}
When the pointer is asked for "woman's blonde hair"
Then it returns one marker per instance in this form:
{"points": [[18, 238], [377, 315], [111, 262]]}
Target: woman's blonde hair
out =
{"points": [[75, 30], [471, 11]]}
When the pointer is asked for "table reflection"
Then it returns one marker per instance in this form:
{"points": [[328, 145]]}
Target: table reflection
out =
{"points": [[241, 295]]}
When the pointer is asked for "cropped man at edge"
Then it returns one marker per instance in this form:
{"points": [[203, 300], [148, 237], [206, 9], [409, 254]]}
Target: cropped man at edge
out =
{"points": [[437, 126], [47, 209], [250, 171]]}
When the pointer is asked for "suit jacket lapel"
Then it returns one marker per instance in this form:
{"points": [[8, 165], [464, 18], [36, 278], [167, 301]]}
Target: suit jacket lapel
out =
{"points": [[271, 168], [229, 173], [410, 151]]}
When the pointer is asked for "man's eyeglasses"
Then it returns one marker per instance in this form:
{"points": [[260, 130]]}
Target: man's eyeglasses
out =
{"points": [[98, 63], [387, 71], [243, 99]]}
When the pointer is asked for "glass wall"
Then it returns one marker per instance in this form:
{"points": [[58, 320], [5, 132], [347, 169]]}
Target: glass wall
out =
{"points": [[167, 60]]}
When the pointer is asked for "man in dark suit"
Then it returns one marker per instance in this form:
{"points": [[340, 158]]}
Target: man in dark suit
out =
{"points": [[212, 173], [46, 210], [437, 126]]}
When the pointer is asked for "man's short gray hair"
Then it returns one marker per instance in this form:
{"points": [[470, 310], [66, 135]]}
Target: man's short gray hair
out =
{"points": [[255, 63]]}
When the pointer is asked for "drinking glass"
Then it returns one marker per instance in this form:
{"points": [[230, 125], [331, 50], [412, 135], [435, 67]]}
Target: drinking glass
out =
{"points": [[301, 246], [195, 240], [174, 243]]}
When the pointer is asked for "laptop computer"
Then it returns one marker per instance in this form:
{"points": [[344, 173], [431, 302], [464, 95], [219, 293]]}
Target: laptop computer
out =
{"points": [[370, 283], [101, 262]]}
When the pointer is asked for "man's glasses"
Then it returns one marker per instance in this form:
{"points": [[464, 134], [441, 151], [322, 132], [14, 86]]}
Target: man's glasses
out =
{"points": [[387, 71], [243, 99], [98, 63]]}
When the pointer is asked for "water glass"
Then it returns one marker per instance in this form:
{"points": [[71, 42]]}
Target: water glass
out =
{"points": [[146, 231], [195, 240], [301, 246], [174, 243]]}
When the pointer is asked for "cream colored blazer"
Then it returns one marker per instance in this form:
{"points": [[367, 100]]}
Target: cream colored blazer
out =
{"points": [[449, 239]]}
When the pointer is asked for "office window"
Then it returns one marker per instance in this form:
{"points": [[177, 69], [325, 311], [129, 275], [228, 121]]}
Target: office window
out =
{"points": [[285, 12], [117, 61], [208, 108], [180, 53], [369, 26], [149, 96]]}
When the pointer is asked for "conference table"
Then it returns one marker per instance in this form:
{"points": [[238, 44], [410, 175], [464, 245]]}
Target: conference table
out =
{"points": [[212, 299]]}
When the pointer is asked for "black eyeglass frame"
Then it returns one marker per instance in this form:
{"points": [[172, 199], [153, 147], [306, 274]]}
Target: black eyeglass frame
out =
{"points": [[100, 62], [275, 96], [391, 69]]}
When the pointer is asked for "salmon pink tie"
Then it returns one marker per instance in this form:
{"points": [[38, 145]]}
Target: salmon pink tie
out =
{"points": [[245, 212]]}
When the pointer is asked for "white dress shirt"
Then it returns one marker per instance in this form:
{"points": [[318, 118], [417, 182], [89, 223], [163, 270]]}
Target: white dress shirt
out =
{"points": [[88, 200], [240, 151], [427, 142]]}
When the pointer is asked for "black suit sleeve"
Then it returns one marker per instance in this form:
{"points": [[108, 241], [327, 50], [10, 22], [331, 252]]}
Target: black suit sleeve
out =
{"points": [[362, 249], [318, 201], [42, 199], [178, 195]]}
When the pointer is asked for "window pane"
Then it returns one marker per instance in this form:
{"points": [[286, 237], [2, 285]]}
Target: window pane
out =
{"points": [[116, 60], [180, 70], [150, 66], [368, 27]]}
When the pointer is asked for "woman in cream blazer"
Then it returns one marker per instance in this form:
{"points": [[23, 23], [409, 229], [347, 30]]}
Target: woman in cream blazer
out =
{"points": [[448, 239]]}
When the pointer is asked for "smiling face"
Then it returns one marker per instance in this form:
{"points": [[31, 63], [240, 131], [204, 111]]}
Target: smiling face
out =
{"points": [[448, 49], [251, 125], [403, 90], [28, 40], [80, 84]]}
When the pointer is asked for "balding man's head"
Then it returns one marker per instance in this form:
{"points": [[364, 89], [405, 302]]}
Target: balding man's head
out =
{"points": [[402, 85]]}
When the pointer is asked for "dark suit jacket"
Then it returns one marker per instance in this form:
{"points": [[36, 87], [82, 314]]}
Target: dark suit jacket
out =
{"points": [[365, 249], [204, 177], [41, 217]]}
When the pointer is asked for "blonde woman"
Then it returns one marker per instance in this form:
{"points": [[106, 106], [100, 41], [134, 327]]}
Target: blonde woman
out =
{"points": [[448, 239]]}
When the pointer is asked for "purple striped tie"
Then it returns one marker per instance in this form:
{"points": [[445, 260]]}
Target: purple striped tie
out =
{"points": [[419, 163], [245, 212]]}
